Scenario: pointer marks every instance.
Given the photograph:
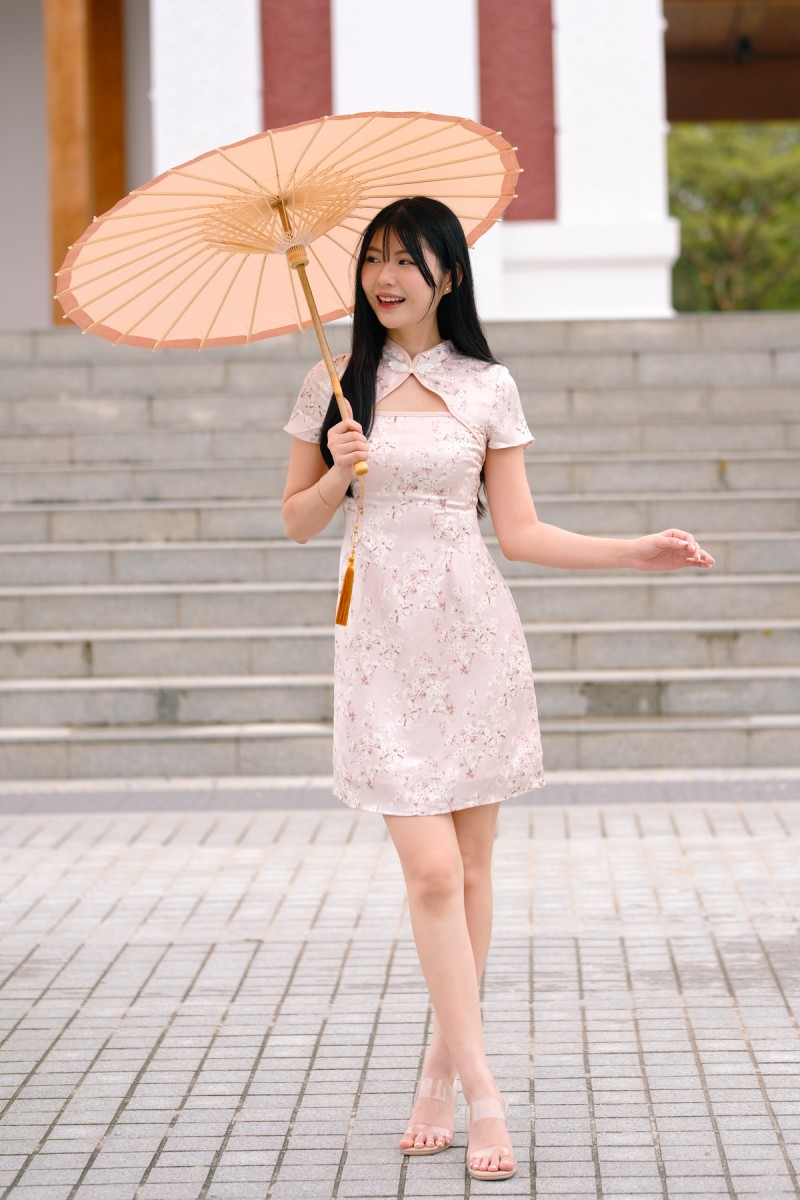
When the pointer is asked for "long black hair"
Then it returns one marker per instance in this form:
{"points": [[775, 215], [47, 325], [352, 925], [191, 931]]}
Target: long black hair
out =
{"points": [[417, 222]]}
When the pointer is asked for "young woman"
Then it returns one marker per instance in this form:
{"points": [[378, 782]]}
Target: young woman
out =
{"points": [[435, 715]]}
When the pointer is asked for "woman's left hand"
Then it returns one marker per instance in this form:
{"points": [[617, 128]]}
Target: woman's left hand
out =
{"points": [[668, 551]]}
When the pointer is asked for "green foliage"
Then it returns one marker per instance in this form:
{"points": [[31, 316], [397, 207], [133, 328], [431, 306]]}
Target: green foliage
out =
{"points": [[736, 190]]}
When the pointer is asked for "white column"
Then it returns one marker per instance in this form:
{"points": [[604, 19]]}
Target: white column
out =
{"points": [[423, 58], [416, 57], [206, 76], [611, 249]]}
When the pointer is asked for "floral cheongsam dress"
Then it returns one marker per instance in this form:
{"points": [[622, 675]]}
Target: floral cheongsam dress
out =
{"points": [[434, 705]]}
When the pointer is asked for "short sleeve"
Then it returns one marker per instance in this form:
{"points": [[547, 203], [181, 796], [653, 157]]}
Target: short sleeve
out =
{"points": [[312, 402], [507, 424]]}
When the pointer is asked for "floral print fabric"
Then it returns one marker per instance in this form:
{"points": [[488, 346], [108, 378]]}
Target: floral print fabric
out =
{"points": [[434, 704]]}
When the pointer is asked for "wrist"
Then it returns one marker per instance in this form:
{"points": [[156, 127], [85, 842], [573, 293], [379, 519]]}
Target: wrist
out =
{"points": [[626, 555], [342, 475]]}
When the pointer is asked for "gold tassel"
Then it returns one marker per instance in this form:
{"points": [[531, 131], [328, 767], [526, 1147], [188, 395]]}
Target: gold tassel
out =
{"points": [[343, 611]]}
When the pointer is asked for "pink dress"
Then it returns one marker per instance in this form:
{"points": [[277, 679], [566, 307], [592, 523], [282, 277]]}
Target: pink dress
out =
{"points": [[434, 705]]}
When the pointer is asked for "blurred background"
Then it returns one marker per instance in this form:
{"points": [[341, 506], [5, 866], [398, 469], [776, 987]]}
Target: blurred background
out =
{"points": [[660, 142]]}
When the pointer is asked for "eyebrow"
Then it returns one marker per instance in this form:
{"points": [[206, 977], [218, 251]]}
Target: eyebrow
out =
{"points": [[379, 250]]}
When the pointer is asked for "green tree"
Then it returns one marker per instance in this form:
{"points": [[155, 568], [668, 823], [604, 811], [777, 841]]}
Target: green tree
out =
{"points": [[736, 190]]}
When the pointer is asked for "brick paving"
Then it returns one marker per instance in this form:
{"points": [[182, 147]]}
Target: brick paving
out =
{"points": [[206, 1003]]}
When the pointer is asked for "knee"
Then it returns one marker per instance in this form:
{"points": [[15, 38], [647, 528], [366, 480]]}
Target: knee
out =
{"points": [[477, 868], [436, 882]]}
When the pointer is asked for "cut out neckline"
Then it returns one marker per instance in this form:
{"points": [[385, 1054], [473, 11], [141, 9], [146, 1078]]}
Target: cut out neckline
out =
{"points": [[421, 399]]}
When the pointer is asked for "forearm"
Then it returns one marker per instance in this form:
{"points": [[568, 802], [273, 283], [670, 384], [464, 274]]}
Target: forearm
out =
{"points": [[549, 546], [307, 513]]}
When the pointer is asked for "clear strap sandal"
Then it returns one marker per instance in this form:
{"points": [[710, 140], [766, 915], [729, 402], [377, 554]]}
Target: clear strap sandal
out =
{"points": [[479, 1110], [435, 1089]]}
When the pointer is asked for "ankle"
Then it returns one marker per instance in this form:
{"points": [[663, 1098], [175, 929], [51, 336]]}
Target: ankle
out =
{"points": [[479, 1085], [440, 1066]]}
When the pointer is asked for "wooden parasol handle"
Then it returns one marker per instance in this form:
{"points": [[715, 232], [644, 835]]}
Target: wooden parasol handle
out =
{"points": [[298, 261]]}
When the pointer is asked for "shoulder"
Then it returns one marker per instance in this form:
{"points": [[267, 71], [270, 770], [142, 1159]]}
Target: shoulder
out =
{"points": [[491, 380], [311, 405], [318, 377], [489, 374]]}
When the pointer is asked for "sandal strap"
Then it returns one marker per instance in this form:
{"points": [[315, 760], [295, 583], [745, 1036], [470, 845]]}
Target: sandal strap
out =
{"points": [[435, 1089], [437, 1130], [480, 1110]]}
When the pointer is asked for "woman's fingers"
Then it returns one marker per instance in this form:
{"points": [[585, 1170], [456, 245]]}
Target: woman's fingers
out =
{"points": [[346, 441], [687, 541]]}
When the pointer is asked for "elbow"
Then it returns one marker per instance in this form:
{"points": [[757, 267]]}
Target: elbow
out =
{"points": [[510, 551], [511, 545], [516, 543], [291, 530], [294, 536]]}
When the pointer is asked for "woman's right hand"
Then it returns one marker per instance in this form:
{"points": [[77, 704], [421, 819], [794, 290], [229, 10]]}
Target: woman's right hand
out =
{"points": [[347, 444]]}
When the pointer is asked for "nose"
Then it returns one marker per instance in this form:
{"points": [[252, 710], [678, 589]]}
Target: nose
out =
{"points": [[386, 273]]}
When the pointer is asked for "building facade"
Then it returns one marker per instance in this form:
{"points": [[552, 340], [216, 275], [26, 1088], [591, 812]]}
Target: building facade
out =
{"points": [[104, 94]]}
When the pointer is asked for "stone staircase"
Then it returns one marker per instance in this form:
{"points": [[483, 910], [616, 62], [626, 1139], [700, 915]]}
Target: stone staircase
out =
{"points": [[155, 621]]}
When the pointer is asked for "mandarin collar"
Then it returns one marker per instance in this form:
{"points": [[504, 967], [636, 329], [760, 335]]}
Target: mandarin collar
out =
{"points": [[397, 359]]}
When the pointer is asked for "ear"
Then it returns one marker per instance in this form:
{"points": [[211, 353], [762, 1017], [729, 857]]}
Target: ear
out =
{"points": [[448, 287]]}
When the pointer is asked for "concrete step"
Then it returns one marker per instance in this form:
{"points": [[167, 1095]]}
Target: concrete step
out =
{"points": [[64, 344], [635, 597], [684, 332], [591, 418], [148, 587], [283, 650], [207, 462], [304, 748], [146, 521], [549, 474], [630, 481], [181, 522], [221, 699], [67, 752], [653, 354], [281, 560], [738, 439]]}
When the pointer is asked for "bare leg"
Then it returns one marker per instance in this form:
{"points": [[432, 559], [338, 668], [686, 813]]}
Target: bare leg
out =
{"points": [[434, 870], [475, 830]]}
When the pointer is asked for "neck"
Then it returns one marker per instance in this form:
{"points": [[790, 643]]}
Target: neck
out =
{"points": [[415, 341]]}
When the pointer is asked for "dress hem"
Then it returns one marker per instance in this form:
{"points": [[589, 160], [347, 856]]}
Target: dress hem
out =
{"points": [[437, 812]]}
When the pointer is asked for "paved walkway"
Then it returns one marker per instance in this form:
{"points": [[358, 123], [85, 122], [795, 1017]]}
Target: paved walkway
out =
{"points": [[226, 1003]]}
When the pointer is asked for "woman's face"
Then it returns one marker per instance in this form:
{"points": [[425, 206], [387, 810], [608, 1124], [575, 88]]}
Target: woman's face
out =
{"points": [[396, 290]]}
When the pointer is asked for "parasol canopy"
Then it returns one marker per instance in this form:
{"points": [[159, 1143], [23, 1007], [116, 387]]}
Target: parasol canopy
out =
{"points": [[259, 238], [203, 254]]}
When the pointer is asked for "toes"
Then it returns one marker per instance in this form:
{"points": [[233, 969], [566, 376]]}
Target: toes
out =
{"points": [[503, 1162]]}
